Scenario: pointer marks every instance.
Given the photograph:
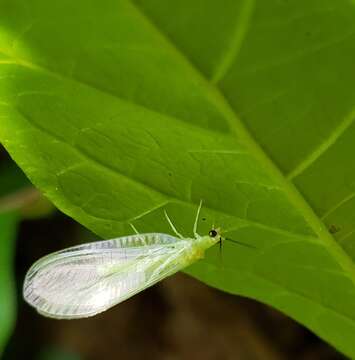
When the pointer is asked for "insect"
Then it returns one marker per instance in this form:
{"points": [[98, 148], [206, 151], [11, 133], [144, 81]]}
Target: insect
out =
{"points": [[84, 280], [333, 229]]}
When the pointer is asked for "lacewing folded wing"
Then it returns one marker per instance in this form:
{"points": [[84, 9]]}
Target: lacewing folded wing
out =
{"points": [[84, 280]]}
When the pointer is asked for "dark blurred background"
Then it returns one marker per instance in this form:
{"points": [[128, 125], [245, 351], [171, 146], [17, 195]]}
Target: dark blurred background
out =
{"points": [[179, 318]]}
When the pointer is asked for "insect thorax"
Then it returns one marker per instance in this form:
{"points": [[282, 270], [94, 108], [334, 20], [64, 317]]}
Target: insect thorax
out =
{"points": [[198, 248]]}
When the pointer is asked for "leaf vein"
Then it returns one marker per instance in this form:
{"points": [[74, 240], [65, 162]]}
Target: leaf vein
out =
{"points": [[240, 32], [324, 146], [338, 205]]}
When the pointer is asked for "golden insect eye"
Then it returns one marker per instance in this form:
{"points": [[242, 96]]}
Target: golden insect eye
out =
{"points": [[213, 233]]}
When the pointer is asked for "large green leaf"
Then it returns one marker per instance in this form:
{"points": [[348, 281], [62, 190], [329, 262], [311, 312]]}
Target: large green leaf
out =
{"points": [[8, 224], [119, 109]]}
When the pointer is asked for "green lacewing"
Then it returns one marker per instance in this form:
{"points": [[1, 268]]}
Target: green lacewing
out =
{"points": [[85, 280]]}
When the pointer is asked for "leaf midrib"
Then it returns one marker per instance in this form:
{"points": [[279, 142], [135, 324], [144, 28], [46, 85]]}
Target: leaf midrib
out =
{"points": [[239, 130]]}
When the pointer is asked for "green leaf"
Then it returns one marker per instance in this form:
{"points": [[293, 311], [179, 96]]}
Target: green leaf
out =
{"points": [[8, 223], [119, 109]]}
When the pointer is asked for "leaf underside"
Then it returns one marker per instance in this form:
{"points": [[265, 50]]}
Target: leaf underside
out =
{"points": [[118, 110]]}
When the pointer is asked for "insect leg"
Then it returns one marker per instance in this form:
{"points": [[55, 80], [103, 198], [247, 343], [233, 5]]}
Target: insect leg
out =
{"points": [[196, 220], [172, 226], [134, 228], [220, 253], [136, 231]]}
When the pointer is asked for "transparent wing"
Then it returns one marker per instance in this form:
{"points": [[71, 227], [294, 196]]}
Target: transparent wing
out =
{"points": [[84, 280]]}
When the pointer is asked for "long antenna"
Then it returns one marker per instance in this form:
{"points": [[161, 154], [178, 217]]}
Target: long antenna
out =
{"points": [[241, 243]]}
